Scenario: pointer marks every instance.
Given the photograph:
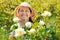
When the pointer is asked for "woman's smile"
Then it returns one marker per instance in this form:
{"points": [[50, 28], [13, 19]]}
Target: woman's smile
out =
{"points": [[24, 13]]}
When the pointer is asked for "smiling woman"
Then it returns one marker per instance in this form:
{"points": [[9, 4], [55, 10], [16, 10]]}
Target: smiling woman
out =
{"points": [[25, 13]]}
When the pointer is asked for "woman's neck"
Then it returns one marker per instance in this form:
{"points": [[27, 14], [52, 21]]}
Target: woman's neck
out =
{"points": [[21, 24]]}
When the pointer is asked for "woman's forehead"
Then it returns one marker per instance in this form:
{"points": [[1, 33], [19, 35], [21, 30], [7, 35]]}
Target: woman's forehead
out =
{"points": [[24, 8]]}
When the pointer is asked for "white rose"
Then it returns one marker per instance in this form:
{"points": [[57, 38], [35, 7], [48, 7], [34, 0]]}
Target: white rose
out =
{"points": [[32, 31], [48, 31], [12, 27], [19, 32], [28, 24], [46, 13], [41, 22], [16, 19]]}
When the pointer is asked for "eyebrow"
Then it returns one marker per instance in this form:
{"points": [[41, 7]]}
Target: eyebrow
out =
{"points": [[28, 8]]}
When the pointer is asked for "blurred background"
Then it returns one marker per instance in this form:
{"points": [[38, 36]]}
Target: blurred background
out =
{"points": [[7, 8]]}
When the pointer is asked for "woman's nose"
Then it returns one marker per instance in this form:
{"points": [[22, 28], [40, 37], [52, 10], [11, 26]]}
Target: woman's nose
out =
{"points": [[24, 13]]}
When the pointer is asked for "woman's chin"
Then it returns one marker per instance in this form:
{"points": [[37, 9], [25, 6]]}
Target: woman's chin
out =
{"points": [[23, 19]]}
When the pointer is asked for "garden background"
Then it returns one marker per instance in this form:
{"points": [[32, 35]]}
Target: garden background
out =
{"points": [[7, 9]]}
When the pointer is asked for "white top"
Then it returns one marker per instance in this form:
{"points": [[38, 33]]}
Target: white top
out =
{"points": [[20, 25]]}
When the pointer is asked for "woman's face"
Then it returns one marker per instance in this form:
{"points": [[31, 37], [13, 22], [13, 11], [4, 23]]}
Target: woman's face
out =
{"points": [[24, 13]]}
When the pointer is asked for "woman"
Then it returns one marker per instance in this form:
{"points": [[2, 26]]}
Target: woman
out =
{"points": [[25, 13]]}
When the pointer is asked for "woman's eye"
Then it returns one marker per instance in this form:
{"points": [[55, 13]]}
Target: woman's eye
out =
{"points": [[21, 14], [26, 11], [27, 15], [21, 10]]}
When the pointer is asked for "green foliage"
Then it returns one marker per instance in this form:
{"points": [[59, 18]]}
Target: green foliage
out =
{"points": [[7, 9]]}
